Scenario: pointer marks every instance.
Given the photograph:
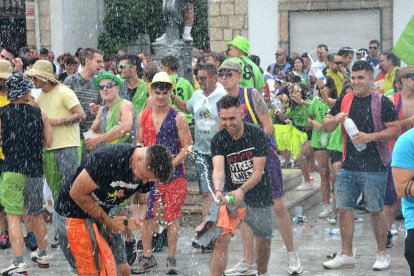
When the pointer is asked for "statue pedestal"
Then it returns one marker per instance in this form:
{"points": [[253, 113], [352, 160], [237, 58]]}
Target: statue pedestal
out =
{"points": [[179, 49]]}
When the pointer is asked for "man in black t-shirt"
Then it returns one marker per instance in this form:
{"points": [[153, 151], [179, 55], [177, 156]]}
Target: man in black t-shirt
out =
{"points": [[365, 170], [239, 156], [106, 178]]}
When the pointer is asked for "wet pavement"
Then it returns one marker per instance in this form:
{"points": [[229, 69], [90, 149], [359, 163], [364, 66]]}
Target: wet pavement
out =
{"points": [[311, 240]]}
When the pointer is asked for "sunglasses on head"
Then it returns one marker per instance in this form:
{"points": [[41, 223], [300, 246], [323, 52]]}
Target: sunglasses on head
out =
{"points": [[223, 73], [122, 66], [106, 85]]}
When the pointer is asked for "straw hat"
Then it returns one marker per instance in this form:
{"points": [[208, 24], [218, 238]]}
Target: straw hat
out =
{"points": [[5, 69], [161, 77], [42, 69]]}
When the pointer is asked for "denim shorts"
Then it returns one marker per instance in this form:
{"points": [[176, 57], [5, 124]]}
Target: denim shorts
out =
{"points": [[204, 170], [261, 221], [350, 184]]}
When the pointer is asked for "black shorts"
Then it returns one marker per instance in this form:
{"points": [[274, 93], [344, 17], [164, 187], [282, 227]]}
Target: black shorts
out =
{"points": [[335, 156]]}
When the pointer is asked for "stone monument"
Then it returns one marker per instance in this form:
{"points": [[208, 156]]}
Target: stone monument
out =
{"points": [[171, 44]]}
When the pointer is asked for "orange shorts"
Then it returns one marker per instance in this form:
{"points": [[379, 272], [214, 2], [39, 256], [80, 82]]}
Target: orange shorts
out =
{"points": [[173, 196], [82, 248]]}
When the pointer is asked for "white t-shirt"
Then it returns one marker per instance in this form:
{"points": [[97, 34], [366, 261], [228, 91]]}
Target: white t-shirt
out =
{"points": [[315, 67]]}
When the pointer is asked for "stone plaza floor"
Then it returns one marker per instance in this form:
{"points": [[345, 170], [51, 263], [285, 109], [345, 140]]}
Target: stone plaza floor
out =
{"points": [[311, 240]]}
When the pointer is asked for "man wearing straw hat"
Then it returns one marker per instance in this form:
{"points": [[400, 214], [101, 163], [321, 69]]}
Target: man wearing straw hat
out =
{"points": [[21, 184], [65, 112]]}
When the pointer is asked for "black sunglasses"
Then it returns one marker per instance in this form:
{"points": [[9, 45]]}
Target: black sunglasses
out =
{"points": [[228, 74], [338, 62], [201, 78], [106, 85]]}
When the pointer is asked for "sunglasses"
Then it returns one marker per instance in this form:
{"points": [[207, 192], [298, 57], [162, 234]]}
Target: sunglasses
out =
{"points": [[373, 48], [122, 66], [338, 62], [228, 74], [106, 85], [201, 79]]}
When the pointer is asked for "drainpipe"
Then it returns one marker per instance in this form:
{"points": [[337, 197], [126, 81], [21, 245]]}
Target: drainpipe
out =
{"points": [[37, 25]]}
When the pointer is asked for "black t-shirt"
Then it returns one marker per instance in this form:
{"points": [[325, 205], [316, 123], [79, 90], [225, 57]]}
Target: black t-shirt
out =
{"points": [[238, 159], [367, 160], [109, 167], [22, 134]]}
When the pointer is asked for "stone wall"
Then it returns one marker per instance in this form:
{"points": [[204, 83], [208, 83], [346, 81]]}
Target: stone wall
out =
{"points": [[45, 32], [227, 18], [386, 7]]}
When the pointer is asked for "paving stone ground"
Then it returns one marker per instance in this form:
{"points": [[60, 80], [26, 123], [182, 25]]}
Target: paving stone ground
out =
{"points": [[311, 241]]}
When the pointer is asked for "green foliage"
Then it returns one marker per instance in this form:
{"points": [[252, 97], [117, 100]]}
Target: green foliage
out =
{"points": [[127, 18]]}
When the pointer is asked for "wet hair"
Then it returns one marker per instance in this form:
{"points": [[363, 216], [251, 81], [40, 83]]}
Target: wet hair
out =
{"points": [[323, 46], [344, 51], [151, 68], [219, 56], [159, 160], [170, 62], [161, 86], [362, 65], [393, 58], [133, 60], [229, 101], [333, 94], [88, 53], [374, 41], [43, 51], [211, 70]]}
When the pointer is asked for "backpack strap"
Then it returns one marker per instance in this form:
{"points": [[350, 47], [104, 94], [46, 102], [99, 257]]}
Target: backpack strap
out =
{"points": [[249, 107]]}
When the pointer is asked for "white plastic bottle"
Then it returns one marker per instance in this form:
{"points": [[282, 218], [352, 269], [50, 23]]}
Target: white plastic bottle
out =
{"points": [[351, 129]]}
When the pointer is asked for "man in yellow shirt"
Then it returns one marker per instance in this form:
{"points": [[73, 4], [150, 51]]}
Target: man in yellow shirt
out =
{"points": [[335, 72], [389, 63]]}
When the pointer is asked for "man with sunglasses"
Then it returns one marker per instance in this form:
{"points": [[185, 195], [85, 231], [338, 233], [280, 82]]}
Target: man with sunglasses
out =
{"points": [[238, 49], [372, 57], [281, 67], [133, 88], [335, 71], [203, 106], [256, 111]]}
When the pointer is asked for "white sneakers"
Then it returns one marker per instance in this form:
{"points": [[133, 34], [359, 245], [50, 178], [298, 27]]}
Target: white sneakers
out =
{"points": [[242, 268], [326, 211], [185, 37], [294, 266], [305, 186], [383, 262], [340, 261]]}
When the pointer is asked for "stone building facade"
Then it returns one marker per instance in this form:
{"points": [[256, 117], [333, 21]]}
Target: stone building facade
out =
{"points": [[44, 23]]}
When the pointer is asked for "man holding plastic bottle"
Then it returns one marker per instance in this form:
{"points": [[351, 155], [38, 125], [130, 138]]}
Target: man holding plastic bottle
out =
{"points": [[239, 153], [363, 170]]}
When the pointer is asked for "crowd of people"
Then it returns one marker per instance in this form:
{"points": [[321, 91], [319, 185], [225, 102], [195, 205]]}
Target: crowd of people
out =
{"points": [[110, 134]]}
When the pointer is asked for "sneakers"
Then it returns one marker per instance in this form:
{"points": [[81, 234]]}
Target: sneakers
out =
{"points": [[187, 38], [20, 268], [172, 266], [140, 248], [389, 243], [131, 251], [294, 266], [382, 262], [242, 268], [326, 211], [305, 186], [333, 218], [55, 243], [43, 261], [340, 261], [31, 242], [157, 243], [144, 265], [4, 240]]}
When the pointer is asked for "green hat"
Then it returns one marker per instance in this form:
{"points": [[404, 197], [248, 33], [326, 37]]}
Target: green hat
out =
{"points": [[240, 43], [107, 75]]}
